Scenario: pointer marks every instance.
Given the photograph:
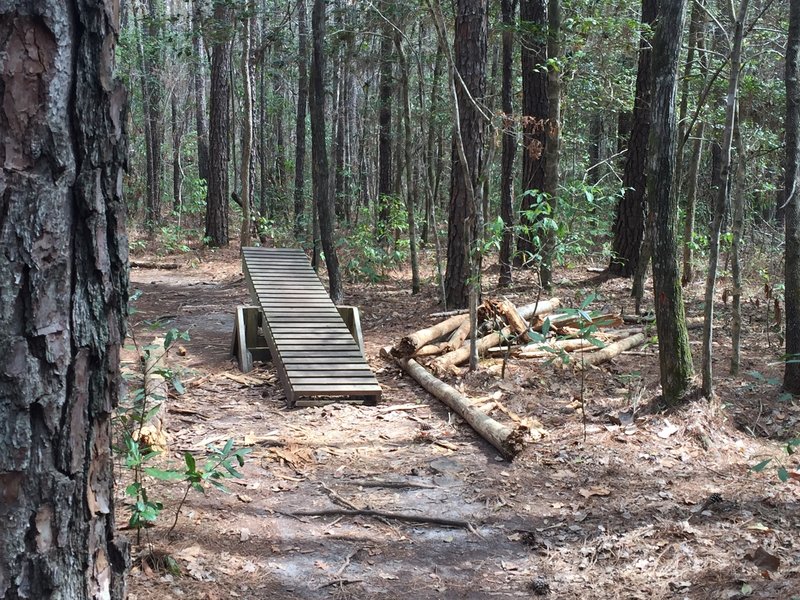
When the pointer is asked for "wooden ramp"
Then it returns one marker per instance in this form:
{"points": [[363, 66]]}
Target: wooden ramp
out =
{"points": [[316, 355]]}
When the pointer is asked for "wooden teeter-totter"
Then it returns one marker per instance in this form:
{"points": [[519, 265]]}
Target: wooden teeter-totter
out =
{"points": [[316, 347]]}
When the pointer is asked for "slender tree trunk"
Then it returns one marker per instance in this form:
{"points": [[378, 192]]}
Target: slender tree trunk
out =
{"points": [[509, 150], [791, 376], [218, 191], [431, 157], [198, 76], [319, 153], [300, 122], [691, 206], [737, 229], [407, 143], [533, 14], [674, 354], [385, 92], [247, 130], [64, 276], [722, 200], [553, 130], [629, 225], [177, 138], [468, 73]]}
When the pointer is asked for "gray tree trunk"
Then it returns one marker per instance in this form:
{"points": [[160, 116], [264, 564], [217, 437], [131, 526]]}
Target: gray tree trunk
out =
{"points": [[674, 354], [791, 377], [64, 281], [319, 153], [218, 190]]}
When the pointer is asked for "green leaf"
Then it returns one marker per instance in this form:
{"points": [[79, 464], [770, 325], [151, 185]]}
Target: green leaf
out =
{"points": [[228, 447], [133, 489], [761, 466], [783, 474], [595, 342], [165, 475], [588, 300], [545, 327], [170, 338], [191, 465], [178, 385], [151, 413]]}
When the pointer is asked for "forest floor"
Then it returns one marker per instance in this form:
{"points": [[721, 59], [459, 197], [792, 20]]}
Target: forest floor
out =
{"points": [[614, 515]]}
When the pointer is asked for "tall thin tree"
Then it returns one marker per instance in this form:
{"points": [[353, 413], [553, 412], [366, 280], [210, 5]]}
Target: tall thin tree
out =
{"points": [[674, 354], [319, 152], [509, 150], [791, 376], [629, 223], [300, 120], [723, 197], [218, 191]]}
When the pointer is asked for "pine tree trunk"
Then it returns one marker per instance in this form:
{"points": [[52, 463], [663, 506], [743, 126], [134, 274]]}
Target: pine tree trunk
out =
{"points": [[407, 147], [553, 131], [533, 14], [674, 354], [630, 220], [300, 121], [247, 132], [509, 150], [64, 277], [791, 377], [319, 153], [470, 52], [218, 191], [385, 91]]}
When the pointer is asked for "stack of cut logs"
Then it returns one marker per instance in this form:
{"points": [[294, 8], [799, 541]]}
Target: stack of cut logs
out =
{"points": [[504, 330]]}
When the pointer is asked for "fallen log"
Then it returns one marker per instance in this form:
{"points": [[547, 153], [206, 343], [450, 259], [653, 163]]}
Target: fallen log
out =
{"points": [[445, 363], [610, 351], [458, 337], [509, 313], [147, 264], [411, 343], [508, 440], [432, 349]]}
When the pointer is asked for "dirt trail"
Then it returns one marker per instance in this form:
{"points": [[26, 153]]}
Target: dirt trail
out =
{"points": [[609, 518]]}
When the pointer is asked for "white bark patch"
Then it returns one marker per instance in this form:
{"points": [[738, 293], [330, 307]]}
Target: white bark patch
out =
{"points": [[44, 528]]}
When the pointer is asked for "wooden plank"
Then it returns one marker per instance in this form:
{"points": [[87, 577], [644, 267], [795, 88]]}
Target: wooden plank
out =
{"points": [[332, 381], [323, 390], [331, 371]]}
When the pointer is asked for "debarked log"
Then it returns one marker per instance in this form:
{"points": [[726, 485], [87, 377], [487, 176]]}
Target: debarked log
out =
{"points": [[508, 440]]}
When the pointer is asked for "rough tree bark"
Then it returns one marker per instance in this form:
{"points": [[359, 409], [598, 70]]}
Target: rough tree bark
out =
{"points": [[791, 376], [533, 17], [630, 220], [64, 280], [469, 64], [674, 354], [553, 132], [218, 191], [319, 153]]}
